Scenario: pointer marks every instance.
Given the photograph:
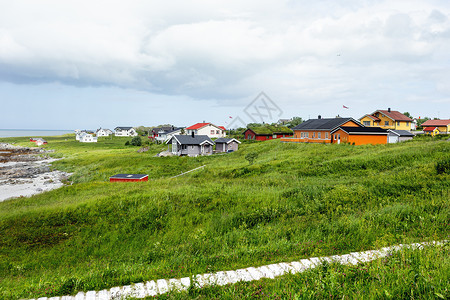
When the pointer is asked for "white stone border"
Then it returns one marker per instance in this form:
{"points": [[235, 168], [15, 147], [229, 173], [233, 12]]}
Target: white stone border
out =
{"points": [[161, 286]]}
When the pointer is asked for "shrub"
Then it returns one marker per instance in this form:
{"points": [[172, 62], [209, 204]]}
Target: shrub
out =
{"points": [[251, 157], [136, 141], [443, 166], [127, 143]]}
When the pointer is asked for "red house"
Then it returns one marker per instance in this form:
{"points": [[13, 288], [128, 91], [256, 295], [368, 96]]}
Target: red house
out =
{"points": [[267, 132], [128, 177]]}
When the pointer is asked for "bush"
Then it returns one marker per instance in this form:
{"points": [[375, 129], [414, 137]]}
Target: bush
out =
{"points": [[251, 157], [136, 141], [127, 143], [443, 166]]}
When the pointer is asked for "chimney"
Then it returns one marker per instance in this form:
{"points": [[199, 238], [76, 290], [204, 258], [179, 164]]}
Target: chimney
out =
{"points": [[319, 117], [389, 109], [193, 133]]}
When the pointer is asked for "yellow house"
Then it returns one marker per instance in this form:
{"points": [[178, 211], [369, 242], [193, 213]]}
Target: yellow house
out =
{"points": [[436, 126], [387, 119]]}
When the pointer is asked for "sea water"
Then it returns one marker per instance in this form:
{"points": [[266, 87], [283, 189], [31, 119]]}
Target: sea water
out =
{"points": [[32, 132]]}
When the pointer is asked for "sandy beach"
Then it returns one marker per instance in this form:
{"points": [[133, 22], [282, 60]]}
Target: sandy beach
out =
{"points": [[26, 171]]}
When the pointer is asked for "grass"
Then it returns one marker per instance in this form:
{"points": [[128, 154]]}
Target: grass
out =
{"points": [[401, 275], [295, 201]]}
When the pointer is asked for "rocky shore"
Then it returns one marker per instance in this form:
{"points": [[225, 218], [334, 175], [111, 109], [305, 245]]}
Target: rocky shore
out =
{"points": [[26, 171]]}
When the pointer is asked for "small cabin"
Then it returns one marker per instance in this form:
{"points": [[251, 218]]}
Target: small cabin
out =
{"points": [[226, 145]]}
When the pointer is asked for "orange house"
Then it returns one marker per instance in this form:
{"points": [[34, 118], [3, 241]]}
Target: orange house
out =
{"points": [[319, 130], [360, 135]]}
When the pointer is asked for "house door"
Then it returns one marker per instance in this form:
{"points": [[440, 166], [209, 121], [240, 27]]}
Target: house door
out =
{"points": [[339, 139], [174, 146]]}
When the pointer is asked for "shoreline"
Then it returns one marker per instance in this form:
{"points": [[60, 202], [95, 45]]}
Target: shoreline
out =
{"points": [[25, 172]]}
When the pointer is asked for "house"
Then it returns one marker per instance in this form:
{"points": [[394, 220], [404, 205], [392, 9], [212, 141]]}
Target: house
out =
{"points": [[103, 132], [79, 134], [267, 132], [319, 130], [396, 136], [387, 119], [226, 145], [128, 178], [431, 130], [414, 124], [436, 126], [283, 121], [125, 131], [88, 138], [359, 135], [163, 133], [38, 141], [337, 130], [190, 145], [208, 129]]}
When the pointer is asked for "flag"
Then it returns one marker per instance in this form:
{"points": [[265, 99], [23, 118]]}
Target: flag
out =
{"points": [[344, 106], [230, 117]]}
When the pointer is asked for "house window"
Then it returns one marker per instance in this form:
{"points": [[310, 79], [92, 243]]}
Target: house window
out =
{"points": [[319, 136], [398, 123], [314, 135], [212, 131], [366, 123], [274, 136], [386, 123], [326, 135], [217, 131]]}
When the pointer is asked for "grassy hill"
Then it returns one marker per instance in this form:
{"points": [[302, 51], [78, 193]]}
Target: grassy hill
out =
{"points": [[295, 201]]}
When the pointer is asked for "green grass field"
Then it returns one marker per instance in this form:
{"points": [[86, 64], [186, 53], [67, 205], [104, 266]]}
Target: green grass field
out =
{"points": [[295, 201]]}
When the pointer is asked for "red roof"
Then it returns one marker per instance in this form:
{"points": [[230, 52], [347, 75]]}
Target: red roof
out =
{"points": [[372, 117], [395, 115], [436, 123], [200, 125], [429, 128]]}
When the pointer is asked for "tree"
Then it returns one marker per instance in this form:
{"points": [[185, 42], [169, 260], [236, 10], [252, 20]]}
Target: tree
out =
{"points": [[182, 131], [408, 115], [295, 121], [136, 141], [251, 157]]}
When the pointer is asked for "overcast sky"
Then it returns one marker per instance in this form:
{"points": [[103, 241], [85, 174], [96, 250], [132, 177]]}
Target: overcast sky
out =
{"points": [[85, 64]]}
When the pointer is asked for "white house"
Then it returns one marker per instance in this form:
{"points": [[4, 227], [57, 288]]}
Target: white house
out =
{"points": [[79, 134], [125, 131], [208, 129], [88, 138], [103, 132]]}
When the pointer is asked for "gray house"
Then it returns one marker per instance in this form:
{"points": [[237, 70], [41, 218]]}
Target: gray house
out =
{"points": [[190, 145], [226, 145], [396, 136]]}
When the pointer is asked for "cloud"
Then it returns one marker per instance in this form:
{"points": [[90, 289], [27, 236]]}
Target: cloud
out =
{"points": [[320, 50]]}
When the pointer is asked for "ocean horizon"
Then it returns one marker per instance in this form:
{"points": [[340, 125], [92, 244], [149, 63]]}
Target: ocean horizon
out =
{"points": [[32, 132]]}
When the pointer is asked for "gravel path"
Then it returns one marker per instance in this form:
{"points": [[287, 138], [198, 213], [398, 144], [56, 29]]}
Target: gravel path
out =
{"points": [[161, 286]]}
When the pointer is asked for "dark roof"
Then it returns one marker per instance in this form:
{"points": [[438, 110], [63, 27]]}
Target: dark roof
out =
{"points": [[189, 140], [123, 128], [324, 124], [225, 140], [401, 132], [269, 130], [362, 130], [175, 129], [129, 176]]}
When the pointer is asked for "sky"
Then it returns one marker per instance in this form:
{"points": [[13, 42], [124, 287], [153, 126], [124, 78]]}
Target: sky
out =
{"points": [[89, 64]]}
